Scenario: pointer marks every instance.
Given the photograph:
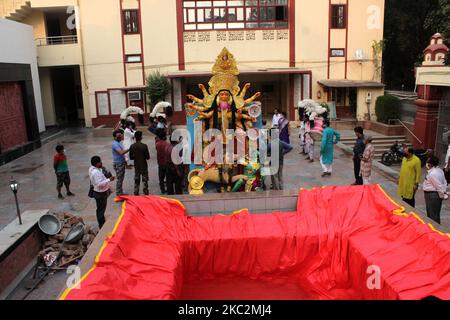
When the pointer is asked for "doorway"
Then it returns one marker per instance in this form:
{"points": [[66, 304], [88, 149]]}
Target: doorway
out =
{"points": [[67, 96], [345, 100]]}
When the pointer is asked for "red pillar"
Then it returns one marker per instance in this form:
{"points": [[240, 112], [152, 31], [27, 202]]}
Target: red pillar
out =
{"points": [[426, 124], [291, 101]]}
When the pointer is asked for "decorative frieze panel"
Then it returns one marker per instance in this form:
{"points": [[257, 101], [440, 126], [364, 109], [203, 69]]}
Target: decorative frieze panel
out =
{"points": [[250, 35], [204, 36], [236, 35], [190, 37], [221, 36], [268, 35], [282, 35]]}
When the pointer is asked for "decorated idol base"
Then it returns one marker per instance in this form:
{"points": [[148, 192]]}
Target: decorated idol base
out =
{"points": [[224, 107]]}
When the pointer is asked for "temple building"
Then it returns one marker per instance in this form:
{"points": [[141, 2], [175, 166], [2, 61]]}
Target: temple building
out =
{"points": [[94, 55], [432, 125]]}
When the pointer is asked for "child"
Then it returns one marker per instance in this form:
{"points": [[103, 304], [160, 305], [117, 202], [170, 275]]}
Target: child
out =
{"points": [[309, 146], [62, 171]]}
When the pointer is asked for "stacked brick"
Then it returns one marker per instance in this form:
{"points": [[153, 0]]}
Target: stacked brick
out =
{"points": [[71, 253]]}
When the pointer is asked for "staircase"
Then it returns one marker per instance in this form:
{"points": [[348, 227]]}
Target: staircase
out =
{"points": [[15, 10], [381, 143]]}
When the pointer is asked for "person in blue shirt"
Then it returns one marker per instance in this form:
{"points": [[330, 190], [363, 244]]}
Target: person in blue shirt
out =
{"points": [[276, 175], [329, 139], [119, 161]]}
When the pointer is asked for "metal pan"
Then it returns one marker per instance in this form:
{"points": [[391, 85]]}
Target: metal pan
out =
{"points": [[75, 234], [50, 225]]}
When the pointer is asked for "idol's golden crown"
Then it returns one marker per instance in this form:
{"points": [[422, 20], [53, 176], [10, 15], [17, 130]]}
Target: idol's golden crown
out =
{"points": [[225, 74]]}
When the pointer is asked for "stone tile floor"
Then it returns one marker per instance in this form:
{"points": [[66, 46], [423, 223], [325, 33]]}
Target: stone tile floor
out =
{"points": [[36, 178]]}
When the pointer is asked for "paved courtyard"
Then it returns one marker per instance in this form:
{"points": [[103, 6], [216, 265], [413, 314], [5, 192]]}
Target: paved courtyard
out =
{"points": [[36, 178]]}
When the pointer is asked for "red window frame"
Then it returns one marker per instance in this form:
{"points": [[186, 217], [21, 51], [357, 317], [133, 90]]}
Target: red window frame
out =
{"points": [[134, 14], [255, 5], [336, 16]]}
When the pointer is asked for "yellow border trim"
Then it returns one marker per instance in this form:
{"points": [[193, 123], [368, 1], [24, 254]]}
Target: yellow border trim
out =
{"points": [[417, 218], [175, 200], [435, 230], [233, 213], [97, 258], [401, 212]]}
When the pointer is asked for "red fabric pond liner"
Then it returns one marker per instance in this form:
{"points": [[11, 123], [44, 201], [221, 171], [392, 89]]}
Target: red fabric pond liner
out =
{"points": [[333, 247]]}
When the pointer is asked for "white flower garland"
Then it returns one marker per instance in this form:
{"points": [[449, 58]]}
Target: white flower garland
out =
{"points": [[126, 114]]}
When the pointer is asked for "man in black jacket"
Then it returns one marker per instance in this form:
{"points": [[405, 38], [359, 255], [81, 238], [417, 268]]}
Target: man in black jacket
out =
{"points": [[358, 151], [140, 154]]}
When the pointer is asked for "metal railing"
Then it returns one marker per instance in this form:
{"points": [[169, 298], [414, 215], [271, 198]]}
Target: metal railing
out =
{"points": [[49, 41], [407, 129]]}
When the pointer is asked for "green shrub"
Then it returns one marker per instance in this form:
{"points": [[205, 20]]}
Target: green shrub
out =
{"points": [[158, 87], [387, 108]]}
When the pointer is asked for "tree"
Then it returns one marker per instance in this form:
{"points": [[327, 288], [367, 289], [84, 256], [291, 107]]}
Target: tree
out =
{"points": [[158, 87], [438, 20], [409, 25]]}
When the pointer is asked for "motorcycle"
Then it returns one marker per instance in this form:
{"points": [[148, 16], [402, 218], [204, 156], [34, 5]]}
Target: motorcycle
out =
{"points": [[396, 154]]}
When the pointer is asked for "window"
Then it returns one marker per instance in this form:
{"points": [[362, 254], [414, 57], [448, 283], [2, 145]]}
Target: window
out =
{"points": [[235, 14], [337, 52], [338, 16], [133, 58], [118, 101], [131, 21], [102, 103]]}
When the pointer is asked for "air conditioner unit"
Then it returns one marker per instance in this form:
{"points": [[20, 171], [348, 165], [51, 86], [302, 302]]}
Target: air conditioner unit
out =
{"points": [[134, 95]]}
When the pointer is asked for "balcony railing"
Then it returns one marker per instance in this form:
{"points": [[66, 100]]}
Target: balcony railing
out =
{"points": [[49, 41]]}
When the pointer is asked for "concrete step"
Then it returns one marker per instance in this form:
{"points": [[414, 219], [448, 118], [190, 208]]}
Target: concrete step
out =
{"points": [[377, 138], [16, 10], [384, 146], [379, 143]]}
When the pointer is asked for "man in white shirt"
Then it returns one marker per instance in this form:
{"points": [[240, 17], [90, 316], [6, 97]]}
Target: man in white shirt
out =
{"points": [[101, 187], [447, 162], [435, 188], [276, 118]]}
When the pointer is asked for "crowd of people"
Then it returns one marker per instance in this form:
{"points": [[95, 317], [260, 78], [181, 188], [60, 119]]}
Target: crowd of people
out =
{"points": [[434, 186], [130, 152], [330, 138]]}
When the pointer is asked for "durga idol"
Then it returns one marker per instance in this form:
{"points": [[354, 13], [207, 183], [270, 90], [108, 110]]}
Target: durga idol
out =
{"points": [[224, 106]]}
